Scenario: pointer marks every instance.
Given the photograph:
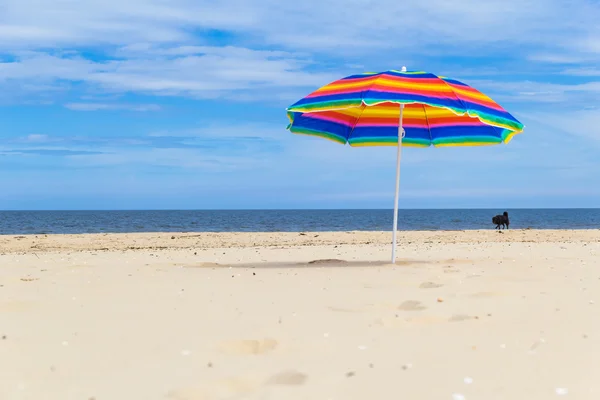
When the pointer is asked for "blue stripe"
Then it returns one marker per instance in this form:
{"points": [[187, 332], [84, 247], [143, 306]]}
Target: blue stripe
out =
{"points": [[465, 131], [441, 102], [389, 131], [492, 111], [332, 97], [305, 121]]}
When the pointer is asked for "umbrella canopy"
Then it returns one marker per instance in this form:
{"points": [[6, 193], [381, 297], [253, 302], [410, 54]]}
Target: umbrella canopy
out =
{"points": [[402, 108], [362, 110]]}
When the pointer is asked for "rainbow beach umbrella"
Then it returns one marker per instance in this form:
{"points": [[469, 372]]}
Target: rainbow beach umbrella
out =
{"points": [[402, 108]]}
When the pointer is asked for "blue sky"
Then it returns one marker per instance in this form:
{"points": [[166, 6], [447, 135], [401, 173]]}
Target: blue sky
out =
{"points": [[180, 104]]}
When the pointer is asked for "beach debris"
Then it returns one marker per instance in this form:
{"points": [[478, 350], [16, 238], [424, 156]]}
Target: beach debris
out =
{"points": [[172, 237], [3, 337], [536, 345], [371, 365], [350, 374], [407, 366], [562, 391], [458, 396], [430, 285], [209, 365], [468, 380], [591, 301], [460, 317], [440, 300], [290, 378], [411, 305]]}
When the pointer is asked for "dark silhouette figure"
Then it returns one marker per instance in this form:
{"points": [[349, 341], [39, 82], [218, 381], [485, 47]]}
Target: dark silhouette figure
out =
{"points": [[501, 220]]}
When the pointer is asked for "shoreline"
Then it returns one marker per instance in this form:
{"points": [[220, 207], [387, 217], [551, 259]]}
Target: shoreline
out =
{"points": [[224, 240]]}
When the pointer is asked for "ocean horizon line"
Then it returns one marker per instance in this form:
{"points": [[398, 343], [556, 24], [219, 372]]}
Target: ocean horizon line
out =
{"points": [[288, 220], [296, 209]]}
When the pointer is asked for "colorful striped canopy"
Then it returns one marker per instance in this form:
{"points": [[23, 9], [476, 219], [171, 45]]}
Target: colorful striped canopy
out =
{"points": [[363, 110]]}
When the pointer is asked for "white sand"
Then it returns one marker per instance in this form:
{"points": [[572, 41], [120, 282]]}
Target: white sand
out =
{"points": [[464, 315]]}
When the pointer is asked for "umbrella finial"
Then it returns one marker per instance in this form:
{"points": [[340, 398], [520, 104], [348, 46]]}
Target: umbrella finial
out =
{"points": [[403, 69]]}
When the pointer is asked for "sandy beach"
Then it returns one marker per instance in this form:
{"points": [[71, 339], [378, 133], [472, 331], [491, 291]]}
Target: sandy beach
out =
{"points": [[309, 315]]}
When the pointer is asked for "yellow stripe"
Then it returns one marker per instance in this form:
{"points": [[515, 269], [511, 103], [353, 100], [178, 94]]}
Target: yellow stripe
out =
{"points": [[352, 112], [436, 87], [472, 95], [386, 111], [471, 144], [385, 144]]}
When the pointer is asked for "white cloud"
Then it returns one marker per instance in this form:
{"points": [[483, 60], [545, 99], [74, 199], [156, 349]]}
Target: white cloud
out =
{"points": [[583, 124], [210, 72], [35, 138], [584, 71], [114, 106], [158, 47], [539, 92], [335, 25]]}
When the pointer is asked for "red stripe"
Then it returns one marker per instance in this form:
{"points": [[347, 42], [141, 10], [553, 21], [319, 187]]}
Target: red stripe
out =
{"points": [[334, 117]]}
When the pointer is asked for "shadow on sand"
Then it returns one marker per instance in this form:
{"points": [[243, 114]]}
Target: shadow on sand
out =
{"points": [[324, 263]]}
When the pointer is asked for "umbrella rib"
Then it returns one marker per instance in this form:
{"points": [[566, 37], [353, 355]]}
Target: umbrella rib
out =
{"points": [[428, 126], [364, 106], [455, 95]]}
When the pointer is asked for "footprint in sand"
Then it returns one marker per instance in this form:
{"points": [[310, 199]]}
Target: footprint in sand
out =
{"points": [[202, 265], [450, 269], [411, 305], [343, 310], [327, 262], [483, 295], [430, 285], [289, 378], [460, 317], [247, 347], [225, 388], [188, 394]]}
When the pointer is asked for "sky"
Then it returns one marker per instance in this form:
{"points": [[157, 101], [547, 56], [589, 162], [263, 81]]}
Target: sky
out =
{"points": [[180, 104]]}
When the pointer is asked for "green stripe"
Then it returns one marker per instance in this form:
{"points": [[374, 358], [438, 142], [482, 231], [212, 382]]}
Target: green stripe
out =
{"points": [[467, 139], [389, 139], [486, 118], [497, 120], [326, 105], [312, 132]]}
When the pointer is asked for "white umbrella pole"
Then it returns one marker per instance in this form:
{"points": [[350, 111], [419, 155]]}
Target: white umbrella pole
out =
{"points": [[399, 157]]}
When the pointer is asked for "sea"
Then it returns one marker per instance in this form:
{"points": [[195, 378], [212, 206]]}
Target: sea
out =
{"points": [[73, 222]]}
